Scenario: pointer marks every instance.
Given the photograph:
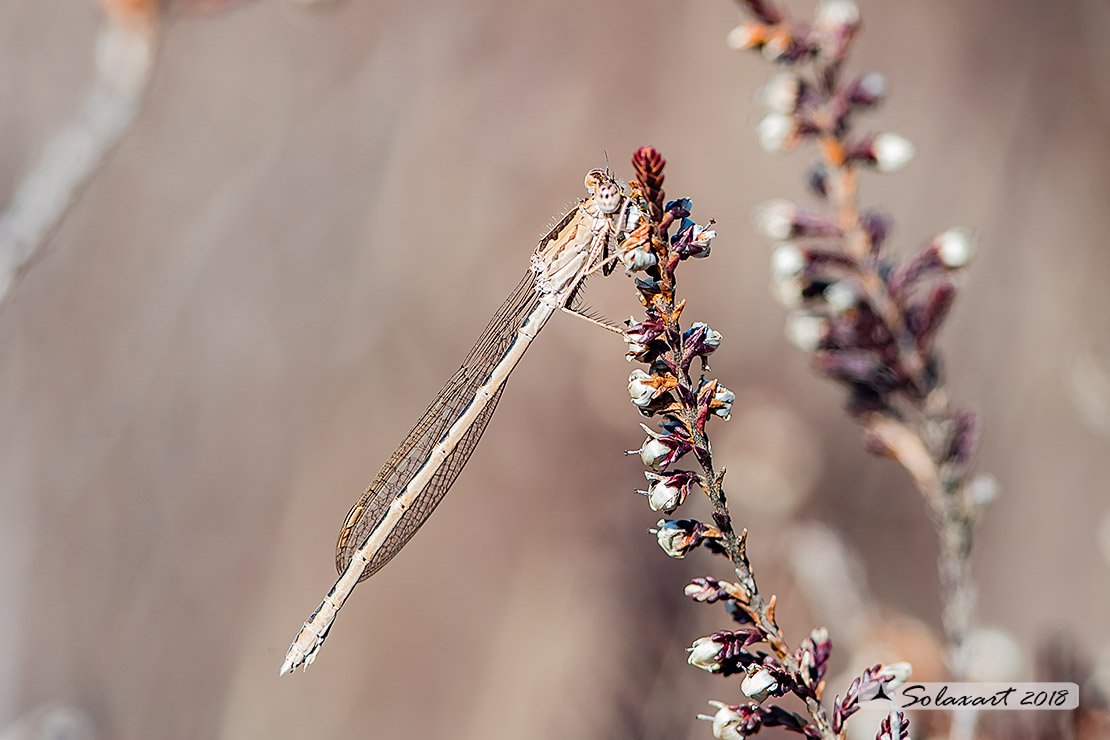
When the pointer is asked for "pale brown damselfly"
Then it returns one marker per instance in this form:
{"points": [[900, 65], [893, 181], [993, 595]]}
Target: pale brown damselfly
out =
{"points": [[426, 463]]}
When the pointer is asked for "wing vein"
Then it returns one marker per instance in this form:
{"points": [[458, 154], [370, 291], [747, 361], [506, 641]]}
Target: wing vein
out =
{"points": [[432, 427]]}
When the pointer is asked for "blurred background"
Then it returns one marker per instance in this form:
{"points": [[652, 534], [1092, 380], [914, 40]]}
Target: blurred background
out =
{"points": [[314, 214]]}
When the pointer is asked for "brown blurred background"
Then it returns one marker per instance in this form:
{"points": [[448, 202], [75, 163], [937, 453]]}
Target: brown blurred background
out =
{"points": [[314, 216]]}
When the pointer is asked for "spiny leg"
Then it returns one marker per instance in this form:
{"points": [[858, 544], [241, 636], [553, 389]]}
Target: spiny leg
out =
{"points": [[594, 320]]}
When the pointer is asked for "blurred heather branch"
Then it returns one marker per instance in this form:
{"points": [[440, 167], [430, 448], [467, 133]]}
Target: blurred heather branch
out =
{"points": [[126, 48], [126, 52], [677, 391], [868, 319]]}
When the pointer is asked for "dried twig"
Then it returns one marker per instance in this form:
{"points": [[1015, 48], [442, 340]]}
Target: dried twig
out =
{"points": [[126, 49], [126, 52]]}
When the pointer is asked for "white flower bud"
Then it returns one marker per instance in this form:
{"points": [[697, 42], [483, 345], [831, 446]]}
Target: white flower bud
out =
{"points": [[787, 261], [759, 683], [873, 85], [641, 388], [776, 47], [704, 654], [702, 235], [634, 348], [840, 297], [776, 132], [653, 452], [788, 293], [891, 152], [775, 218], [899, 673], [994, 655], [726, 723], [833, 15], [805, 331], [955, 247], [781, 93], [664, 497], [983, 490], [712, 336], [637, 259], [725, 397], [675, 539], [745, 36]]}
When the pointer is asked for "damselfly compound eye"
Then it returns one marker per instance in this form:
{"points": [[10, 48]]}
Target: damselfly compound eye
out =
{"points": [[594, 178]]}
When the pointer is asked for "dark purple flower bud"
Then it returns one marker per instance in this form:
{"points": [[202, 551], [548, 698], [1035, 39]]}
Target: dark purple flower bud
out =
{"points": [[813, 656], [707, 590], [643, 339], [692, 240], [925, 319], [867, 91], [874, 444], [947, 252], [964, 436], [736, 611], [776, 716], [857, 366], [700, 340], [674, 425], [864, 400], [713, 398], [821, 263], [860, 329], [646, 330], [648, 287], [817, 180], [679, 208], [900, 732], [874, 682], [876, 225], [926, 263]]}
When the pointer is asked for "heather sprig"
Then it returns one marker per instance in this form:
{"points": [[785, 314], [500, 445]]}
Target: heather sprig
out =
{"points": [[869, 319], [675, 390]]}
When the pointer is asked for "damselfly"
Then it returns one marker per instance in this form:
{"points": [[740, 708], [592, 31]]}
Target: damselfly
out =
{"points": [[427, 462]]}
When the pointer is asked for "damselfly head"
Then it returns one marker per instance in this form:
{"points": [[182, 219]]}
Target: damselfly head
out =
{"points": [[606, 191]]}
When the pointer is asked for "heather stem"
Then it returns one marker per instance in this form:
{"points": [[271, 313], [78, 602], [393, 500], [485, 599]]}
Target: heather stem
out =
{"points": [[943, 493], [735, 545]]}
